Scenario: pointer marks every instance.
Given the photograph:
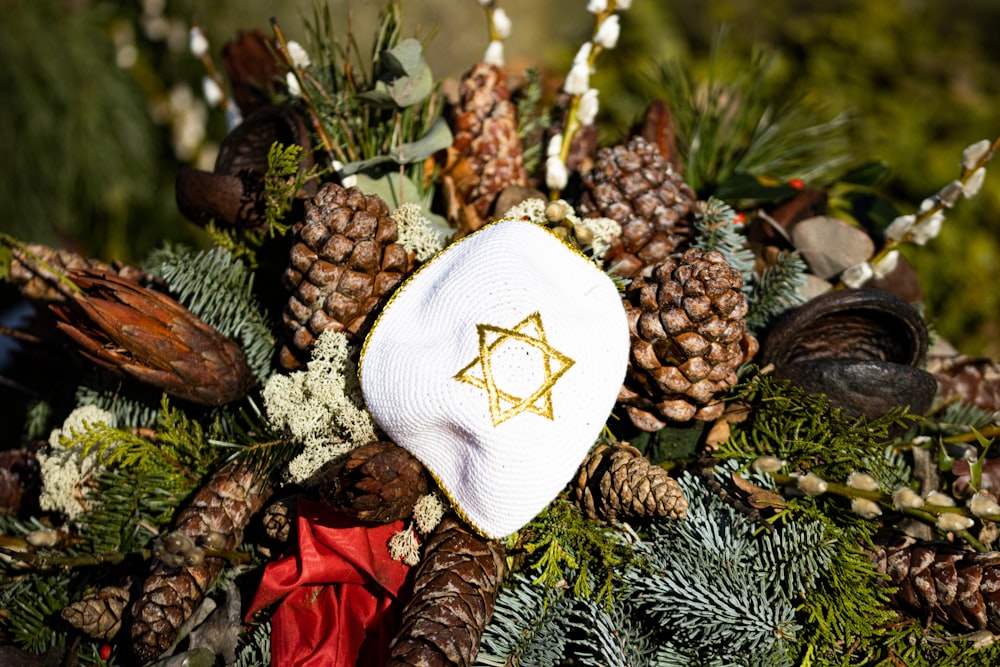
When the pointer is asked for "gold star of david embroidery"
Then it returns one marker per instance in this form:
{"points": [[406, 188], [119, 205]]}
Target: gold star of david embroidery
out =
{"points": [[503, 404]]}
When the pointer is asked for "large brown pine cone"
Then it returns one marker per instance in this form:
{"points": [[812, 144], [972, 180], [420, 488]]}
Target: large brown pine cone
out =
{"points": [[377, 482], [636, 186], [454, 590], [344, 265], [688, 338], [487, 153], [216, 516], [618, 482], [955, 586]]}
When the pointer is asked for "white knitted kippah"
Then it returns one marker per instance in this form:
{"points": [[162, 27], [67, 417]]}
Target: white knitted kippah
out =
{"points": [[496, 364]]}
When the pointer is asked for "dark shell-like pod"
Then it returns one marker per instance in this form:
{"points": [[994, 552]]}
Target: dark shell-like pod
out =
{"points": [[861, 348]]}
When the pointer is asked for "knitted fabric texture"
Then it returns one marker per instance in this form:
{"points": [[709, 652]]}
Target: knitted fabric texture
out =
{"points": [[496, 364]]}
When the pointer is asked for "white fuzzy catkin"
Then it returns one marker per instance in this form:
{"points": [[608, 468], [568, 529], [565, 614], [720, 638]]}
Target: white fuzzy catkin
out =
{"points": [[862, 481], [865, 508]]}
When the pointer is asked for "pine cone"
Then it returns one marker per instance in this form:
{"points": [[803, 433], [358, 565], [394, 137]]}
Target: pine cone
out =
{"points": [[688, 338], [955, 586], [618, 482], [486, 155], [345, 264], [636, 186], [378, 482], [280, 517], [968, 379], [454, 590], [36, 269], [170, 595], [98, 614]]}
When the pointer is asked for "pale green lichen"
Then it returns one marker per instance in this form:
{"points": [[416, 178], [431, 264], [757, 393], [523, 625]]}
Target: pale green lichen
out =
{"points": [[64, 470], [416, 232], [322, 407], [405, 547], [427, 513]]}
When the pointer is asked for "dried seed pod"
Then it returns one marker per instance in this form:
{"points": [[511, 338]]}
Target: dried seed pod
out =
{"points": [[98, 614], [143, 334], [454, 590], [171, 594], [861, 348], [378, 482]]}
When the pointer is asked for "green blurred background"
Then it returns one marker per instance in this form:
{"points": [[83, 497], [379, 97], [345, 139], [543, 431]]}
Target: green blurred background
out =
{"points": [[102, 102]]}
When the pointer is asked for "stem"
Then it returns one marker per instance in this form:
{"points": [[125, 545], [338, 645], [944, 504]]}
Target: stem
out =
{"points": [[303, 90], [936, 207]]}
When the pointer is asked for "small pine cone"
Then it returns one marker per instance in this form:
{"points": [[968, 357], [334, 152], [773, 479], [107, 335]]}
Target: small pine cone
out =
{"points": [[688, 339], [955, 586], [344, 265], [378, 482], [618, 482], [280, 517], [455, 588], [98, 614], [967, 379], [636, 186], [170, 595], [485, 127]]}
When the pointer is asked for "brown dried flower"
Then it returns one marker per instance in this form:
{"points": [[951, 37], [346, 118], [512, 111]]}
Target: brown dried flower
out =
{"points": [[152, 338]]}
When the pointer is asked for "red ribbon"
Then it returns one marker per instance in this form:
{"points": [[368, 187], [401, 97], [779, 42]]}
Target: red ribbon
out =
{"points": [[337, 593]]}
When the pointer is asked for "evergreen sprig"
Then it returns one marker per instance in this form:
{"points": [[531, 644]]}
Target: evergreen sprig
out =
{"points": [[218, 288], [717, 229], [805, 430], [564, 546], [713, 588], [179, 447], [776, 290], [528, 627], [531, 121], [729, 125]]}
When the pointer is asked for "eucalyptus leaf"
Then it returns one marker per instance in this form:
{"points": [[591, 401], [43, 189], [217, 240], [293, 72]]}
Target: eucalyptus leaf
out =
{"points": [[387, 186], [405, 78], [437, 138]]}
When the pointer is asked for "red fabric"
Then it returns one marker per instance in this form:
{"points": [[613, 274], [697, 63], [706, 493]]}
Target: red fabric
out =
{"points": [[337, 593]]}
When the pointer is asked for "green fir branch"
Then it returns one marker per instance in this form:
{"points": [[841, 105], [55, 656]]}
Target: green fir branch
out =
{"points": [[610, 637], [134, 507], [711, 586], [717, 229], [776, 291], [255, 647], [528, 627], [218, 289]]}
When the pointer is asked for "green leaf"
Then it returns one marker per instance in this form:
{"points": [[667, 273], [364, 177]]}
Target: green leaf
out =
{"points": [[976, 469], [405, 80], [387, 186], [870, 174], [437, 138], [744, 186]]}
